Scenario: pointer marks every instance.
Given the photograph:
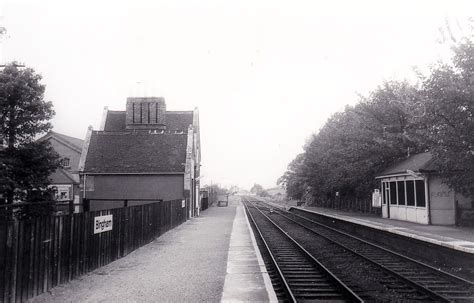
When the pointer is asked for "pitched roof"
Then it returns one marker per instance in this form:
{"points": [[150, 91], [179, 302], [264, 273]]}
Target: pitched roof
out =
{"points": [[179, 120], [75, 143], [61, 176], [175, 120], [136, 152], [418, 163], [115, 121]]}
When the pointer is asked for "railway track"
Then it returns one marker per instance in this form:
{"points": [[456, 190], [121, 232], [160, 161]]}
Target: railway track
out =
{"points": [[413, 280], [302, 277]]}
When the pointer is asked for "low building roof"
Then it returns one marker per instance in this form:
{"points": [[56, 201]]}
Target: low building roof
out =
{"points": [[62, 176], [75, 143], [418, 163], [136, 152]]}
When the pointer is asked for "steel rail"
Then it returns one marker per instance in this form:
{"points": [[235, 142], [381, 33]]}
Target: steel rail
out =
{"points": [[406, 280], [353, 296], [415, 284], [274, 262], [434, 269]]}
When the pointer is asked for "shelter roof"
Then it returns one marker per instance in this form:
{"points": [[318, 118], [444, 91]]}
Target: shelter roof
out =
{"points": [[418, 163]]}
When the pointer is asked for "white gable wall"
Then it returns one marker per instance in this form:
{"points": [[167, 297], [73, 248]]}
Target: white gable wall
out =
{"points": [[442, 206]]}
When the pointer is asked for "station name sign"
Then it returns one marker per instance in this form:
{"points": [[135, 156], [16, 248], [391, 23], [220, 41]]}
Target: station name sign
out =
{"points": [[103, 223]]}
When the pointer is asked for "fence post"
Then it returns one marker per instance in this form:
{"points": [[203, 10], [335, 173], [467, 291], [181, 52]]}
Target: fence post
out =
{"points": [[71, 206], [87, 205], [14, 244], [171, 214]]}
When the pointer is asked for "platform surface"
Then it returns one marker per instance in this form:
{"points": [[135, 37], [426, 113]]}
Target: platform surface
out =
{"points": [[458, 238], [247, 278], [209, 258]]}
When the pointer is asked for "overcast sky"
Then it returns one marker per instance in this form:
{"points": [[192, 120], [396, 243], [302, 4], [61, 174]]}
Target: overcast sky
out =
{"points": [[265, 75]]}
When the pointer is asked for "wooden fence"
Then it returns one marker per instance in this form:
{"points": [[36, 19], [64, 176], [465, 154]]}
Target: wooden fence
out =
{"points": [[40, 253], [349, 204]]}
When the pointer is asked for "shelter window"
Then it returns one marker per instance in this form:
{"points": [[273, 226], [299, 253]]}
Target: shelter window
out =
{"points": [[384, 193], [393, 192], [420, 193], [401, 192], [410, 187]]}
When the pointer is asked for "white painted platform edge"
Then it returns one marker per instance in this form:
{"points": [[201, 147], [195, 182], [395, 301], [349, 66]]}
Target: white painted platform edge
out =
{"points": [[397, 230], [266, 278]]}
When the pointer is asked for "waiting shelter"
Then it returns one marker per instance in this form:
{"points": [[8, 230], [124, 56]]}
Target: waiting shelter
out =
{"points": [[412, 190]]}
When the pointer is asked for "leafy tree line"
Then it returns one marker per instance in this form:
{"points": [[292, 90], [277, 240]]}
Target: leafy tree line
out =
{"points": [[396, 119], [25, 164], [258, 190]]}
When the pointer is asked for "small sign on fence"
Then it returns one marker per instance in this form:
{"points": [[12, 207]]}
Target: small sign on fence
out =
{"points": [[376, 198], [103, 223]]}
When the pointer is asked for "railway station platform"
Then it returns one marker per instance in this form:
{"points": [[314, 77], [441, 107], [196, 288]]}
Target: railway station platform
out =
{"points": [[210, 258], [452, 237]]}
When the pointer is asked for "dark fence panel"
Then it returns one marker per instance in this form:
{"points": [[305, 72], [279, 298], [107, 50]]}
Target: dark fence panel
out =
{"points": [[349, 204], [40, 253]]}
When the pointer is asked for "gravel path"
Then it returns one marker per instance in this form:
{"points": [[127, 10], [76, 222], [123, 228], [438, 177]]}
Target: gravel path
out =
{"points": [[185, 264]]}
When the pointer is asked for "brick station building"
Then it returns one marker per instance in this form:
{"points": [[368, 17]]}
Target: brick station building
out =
{"points": [[144, 152]]}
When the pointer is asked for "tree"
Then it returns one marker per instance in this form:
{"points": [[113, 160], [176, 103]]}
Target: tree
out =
{"points": [[256, 189], [448, 126], [357, 144], [293, 180], [24, 114], [264, 193]]}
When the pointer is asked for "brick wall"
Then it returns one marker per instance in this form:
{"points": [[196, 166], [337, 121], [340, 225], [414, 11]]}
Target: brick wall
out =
{"points": [[145, 113]]}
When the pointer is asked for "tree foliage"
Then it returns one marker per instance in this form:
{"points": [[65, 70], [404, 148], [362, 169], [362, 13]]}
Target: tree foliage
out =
{"points": [[449, 122], [24, 113], [395, 120], [256, 189], [356, 144], [293, 180], [25, 164]]}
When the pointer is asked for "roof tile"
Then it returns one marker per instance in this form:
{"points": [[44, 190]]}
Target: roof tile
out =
{"points": [[417, 163], [136, 152]]}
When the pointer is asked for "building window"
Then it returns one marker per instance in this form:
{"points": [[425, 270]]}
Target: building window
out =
{"points": [[393, 193], [133, 112], [401, 192], [420, 193], [410, 185], [65, 162]]}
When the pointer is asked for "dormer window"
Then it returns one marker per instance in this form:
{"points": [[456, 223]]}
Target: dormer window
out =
{"points": [[65, 162]]}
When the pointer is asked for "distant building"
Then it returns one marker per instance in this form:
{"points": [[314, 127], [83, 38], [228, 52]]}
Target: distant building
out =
{"points": [[413, 191], [144, 152], [65, 180], [278, 192]]}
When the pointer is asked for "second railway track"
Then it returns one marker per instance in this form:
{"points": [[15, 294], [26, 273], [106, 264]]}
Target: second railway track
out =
{"points": [[372, 272], [301, 276]]}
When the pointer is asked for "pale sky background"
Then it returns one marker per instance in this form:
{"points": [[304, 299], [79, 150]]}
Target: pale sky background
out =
{"points": [[265, 75]]}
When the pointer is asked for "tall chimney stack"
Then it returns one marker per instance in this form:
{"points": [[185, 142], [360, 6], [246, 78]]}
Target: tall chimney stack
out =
{"points": [[145, 113]]}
